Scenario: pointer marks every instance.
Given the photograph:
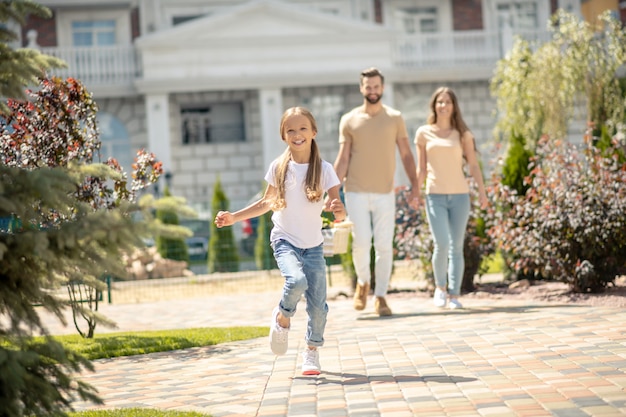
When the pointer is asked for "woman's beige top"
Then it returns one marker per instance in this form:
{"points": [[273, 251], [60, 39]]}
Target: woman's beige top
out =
{"points": [[444, 161]]}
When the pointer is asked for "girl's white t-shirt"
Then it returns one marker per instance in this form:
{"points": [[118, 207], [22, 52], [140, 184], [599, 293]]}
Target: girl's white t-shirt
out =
{"points": [[300, 223]]}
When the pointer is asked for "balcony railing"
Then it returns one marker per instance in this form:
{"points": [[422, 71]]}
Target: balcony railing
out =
{"points": [[98, 66], [120, 65], [464, 49]]}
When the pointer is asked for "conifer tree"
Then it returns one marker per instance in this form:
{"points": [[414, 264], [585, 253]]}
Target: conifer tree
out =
{"points": [[263, 253], [22, 66], [516, 165], [61, 222], [171, 247], [223, 255]]}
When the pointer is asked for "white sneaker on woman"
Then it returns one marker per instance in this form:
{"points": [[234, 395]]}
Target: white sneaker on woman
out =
{"points": [[454, 304], [440, 298]]}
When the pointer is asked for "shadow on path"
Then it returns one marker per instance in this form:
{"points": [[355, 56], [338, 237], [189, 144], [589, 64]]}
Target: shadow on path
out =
{"points": [[466, 311], [358, 379]]}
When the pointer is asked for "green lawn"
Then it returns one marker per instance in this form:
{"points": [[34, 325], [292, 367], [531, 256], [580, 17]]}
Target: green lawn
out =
{"points": [[111, 345]]}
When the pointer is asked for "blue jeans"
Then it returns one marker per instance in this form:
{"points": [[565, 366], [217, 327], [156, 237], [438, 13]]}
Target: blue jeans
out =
{"points": [[372, 215], [447, 216], [304, 271]]}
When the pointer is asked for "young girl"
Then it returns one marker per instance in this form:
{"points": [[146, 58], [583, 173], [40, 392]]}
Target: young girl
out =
{"points": [[443, 146], [296, 182]]}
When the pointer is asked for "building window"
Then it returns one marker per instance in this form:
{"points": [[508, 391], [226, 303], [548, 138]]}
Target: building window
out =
{"points": [[520, 15], [214, 123], [93, 33], [115, 141], [94, 28], [417, 19]]}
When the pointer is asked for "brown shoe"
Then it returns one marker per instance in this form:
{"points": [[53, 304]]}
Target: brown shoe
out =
{"points": [[381, 307], [360, 295]]}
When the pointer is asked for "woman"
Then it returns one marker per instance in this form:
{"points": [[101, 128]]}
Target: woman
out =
{"points": [[444, 145]]}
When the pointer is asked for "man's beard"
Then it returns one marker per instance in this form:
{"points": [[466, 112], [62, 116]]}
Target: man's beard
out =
{"points": [[373, 100]]}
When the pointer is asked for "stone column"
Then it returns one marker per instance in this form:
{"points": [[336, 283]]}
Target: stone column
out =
{"points": [[271, 106], [158, 121]]}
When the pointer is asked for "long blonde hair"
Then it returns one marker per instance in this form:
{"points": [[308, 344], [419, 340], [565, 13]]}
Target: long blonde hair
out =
{"points": [[313, 182]]}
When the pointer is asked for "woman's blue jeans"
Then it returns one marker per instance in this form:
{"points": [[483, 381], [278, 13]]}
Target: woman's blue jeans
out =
{"points": [[447, 216], [304, 271]]}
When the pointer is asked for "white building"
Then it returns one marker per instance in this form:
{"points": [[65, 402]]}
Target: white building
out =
{"points": [[203, 83]]}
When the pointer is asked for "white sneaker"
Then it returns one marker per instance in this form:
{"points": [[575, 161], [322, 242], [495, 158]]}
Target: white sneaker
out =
{"points": [[454, 304], [440, 298], [311, 362], [279, 336]]}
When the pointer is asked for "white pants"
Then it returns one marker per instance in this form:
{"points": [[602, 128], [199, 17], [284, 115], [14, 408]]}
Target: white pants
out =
{"points": [[373, 215]]}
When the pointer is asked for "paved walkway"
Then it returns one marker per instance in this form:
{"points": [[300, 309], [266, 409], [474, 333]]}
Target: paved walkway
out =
{"points": [[493, 358]]}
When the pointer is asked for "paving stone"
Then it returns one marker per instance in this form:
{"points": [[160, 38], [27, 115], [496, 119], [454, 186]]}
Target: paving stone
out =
{"points": [[494, 358]]}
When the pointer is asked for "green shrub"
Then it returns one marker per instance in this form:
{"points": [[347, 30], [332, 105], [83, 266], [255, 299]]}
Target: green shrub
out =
{"points": [[170, 248], [515, 168], [514, 173], [223, 254], [571, 224], [263, 253]]}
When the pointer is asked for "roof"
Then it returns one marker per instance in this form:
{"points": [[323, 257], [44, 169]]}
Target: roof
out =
{"points": [[262, 43]]}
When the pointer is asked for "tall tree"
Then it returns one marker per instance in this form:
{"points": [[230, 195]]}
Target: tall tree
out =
{"points": [[63, 219], [22, 66], [538, 86]]}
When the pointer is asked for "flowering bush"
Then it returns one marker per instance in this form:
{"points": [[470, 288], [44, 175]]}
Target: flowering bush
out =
{"points": [[412, 239], [57, 127], [571, 223]]}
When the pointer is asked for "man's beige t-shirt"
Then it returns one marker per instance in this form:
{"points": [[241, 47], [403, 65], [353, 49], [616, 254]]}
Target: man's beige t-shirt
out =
{"points": [[373, 141]]}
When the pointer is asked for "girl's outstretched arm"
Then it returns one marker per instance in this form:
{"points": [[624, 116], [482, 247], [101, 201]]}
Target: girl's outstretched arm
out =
{"points": [[258, 208]]}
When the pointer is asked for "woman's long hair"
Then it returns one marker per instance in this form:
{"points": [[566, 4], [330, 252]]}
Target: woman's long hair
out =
{"points": [[456, 120], [312, 185]]}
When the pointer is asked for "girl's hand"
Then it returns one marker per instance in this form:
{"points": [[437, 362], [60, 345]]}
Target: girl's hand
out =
{"points": [[224, 218], [338, 210]]}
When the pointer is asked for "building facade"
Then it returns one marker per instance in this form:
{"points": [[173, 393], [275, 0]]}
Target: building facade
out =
{"points": [[203, 83]]}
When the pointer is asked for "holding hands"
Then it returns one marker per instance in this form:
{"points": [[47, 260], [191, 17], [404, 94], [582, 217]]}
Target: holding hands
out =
{"points": [[415, 200]]}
